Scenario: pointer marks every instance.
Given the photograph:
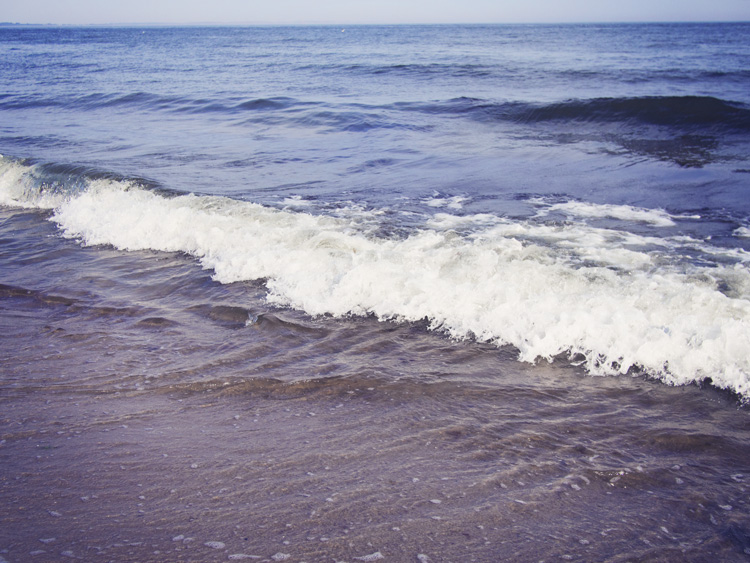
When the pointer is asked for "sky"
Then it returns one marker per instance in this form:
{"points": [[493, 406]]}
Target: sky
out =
{"points": [[102, 12]]}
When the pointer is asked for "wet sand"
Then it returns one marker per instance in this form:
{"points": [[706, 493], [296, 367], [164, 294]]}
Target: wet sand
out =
{"points": [[336, 471]]}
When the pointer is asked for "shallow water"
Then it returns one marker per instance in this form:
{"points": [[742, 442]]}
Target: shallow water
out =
{"points": [[142, 421], [442, 293]]}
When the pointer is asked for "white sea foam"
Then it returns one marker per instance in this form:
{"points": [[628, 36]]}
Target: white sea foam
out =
{"points": [[610, 298], [655, 217], [454, 202], [296, 201]]}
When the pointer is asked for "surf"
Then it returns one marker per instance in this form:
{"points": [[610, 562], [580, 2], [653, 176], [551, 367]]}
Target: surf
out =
{"points": [[609, 300]]}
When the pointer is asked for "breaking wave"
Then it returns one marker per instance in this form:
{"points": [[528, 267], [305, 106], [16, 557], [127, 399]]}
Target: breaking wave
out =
{"points": [[614, 301]]}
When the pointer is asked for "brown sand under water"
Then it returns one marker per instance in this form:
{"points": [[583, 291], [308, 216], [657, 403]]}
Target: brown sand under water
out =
{"points": [[150, 414]]}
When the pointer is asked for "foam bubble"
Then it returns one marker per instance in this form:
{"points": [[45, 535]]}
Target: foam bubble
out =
{"points": [[215, 544]]}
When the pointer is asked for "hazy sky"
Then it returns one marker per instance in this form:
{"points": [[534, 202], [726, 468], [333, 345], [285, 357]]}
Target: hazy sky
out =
{"points": [[368, 11]]}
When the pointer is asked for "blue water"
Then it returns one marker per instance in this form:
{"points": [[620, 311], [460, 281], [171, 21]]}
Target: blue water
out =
{"points": [[390, 109], [478, 220]]}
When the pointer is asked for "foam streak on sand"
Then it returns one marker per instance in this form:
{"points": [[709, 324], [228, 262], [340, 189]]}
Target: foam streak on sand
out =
{"points": [[547, 290]]}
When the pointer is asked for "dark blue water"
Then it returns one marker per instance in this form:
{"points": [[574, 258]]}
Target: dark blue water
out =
{"points": [[434, 239], [170, 103]]}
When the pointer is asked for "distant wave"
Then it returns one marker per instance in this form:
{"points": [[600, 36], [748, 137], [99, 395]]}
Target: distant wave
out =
{"points": [[686, 113], [428, 71], [673, 111], [272, 111], [425, 70], [612, 300], [148, 101], [681, 112], [689, 131]]}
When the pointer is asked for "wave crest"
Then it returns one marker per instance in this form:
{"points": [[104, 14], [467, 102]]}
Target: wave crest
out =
{"points": [[679, 112], [545, 289]]}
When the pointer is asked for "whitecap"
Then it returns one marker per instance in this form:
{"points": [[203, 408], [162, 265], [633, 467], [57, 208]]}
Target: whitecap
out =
{"points": [[655, 217], [618, 300]]}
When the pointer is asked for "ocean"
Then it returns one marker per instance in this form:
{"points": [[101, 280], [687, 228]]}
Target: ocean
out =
{"points": [[410, 293]]}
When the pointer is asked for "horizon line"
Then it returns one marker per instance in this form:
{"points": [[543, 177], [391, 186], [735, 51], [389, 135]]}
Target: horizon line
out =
{"points": [[358, 24]]}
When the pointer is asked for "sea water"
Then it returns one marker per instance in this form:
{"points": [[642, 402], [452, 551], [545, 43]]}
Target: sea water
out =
{"points": [[500, 267]]}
